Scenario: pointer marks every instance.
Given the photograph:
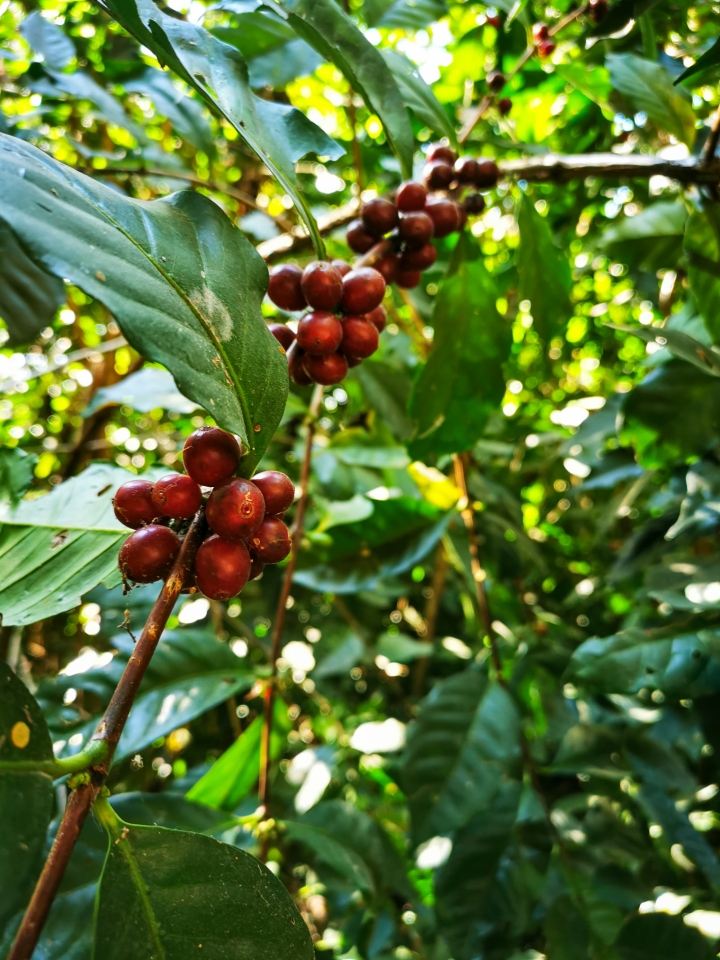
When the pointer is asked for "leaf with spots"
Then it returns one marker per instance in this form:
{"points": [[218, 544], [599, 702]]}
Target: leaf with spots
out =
{"points": [[184, 285]]}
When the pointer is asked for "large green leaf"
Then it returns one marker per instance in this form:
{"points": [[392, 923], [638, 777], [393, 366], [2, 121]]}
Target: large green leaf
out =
{"points": [[462, 747], [25, 798], [406, 14], [186, 114], [680, 345], [330, 31], [182, 282], [709, 60], [649, 88], [47, 39], [29, 297], [659, 936], [177, 895], [147, 389], [651, 240], [462, 382], [16, 475], [543, 272], [418, 95], [702, 248]]}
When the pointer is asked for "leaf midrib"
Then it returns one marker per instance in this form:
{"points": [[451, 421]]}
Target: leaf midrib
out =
{"points": [[136, 876]]}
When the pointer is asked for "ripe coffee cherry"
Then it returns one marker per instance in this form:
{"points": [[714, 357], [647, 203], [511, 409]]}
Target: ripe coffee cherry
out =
{"points": [[236, 509], [133, 504], [493, 22], [326, 370], [598, 10], [322, 285], [284, 289], [419, 259], [466, 169], [444, 215], [177, 496], [283, 334], [474, 203], [148, 554], [504, 106], [319, 333], [438, 175], [438, 151], [296, 368], [222, 568], [360, 338], [379, 216], [358, 239], [256, 569], [487, 174], [387, 265], [540, 31], [278, 491], [546, 48], [415, 228], [407, 279], [410, 196], [342, 266], [378, 316], [271, 541], [495, 81], [363, 290], [211, 455]]}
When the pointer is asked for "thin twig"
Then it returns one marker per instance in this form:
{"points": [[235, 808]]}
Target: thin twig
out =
{"points": [[109, 731], [711, 144], [556, 168]]}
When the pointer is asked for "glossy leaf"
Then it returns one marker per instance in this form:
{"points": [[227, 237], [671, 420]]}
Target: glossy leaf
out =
{"points": [[47, 39], [702, 248], [16, 474], [406, 14], [183, 284], [418, 95], [658, 936], [649, 88], [709, 60], [680, 345], [651, 240], [186, 114], [543, 272], [280, 67], [147, 389], [29, 297]]}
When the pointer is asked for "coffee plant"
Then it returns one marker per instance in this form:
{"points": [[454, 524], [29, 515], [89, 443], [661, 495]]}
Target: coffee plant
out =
{"points": [[359, 480]]}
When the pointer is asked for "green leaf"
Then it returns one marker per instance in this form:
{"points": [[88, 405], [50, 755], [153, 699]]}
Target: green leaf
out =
{"points": [[330, 31], [658, 936], [709, 59], [649, 88], [418, 95], [148, 389], [462, 382], [651, 240], [543, 272], [280, 67], [388, 392], [620, 14], [336, 853], [184, 285], [16, 474], [401, 649], [594, 84], [26, 799], [461, 749], [279, 134], [702, 248], [680, 345], [406, 14], [47, 39], [29, 297], [340, 661], [186, 114], [168, 893], [255, 33]]}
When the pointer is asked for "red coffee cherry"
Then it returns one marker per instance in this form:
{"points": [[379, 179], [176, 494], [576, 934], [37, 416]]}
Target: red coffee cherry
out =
{"points": [[378, 316], [444, 215], [495, 81], [177, 496], [415, 228], [438, 175], [493, 22], [236, 509], [474, 203], [278, 491], [148, 554], [342, 266], [540, 32], [271, 541], [296, 368], [379, 216], [598, 10], [283, 334], [284, 289], [438, 151], [387, 265], [487, 174], [407, 279], [211, 455], [322, 285], [410, 196], [419, 259], [466, 169], [319, 333], [256, 569], [133, 504], [546, 49], [358, 239], [326, 370], [363, 290], [222, 568], [360, 338], [504, 106]]}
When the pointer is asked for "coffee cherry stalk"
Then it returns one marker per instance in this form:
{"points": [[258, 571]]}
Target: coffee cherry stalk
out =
{"points": [[244, 516]]}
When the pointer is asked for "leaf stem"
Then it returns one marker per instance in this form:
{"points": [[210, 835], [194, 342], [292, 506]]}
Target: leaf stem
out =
{"points": [[60, 767]]}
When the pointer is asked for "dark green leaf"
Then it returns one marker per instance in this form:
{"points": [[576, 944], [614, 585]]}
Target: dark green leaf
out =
{"points": [[651, 240], [186, 114], [658, 936], [406, 14], [148, 389], [680, 345], [29, 297], [340, 661], [399, 648], [418, 95], [183, 284], [280, 67], [543, 271], [620, 15], [255, 33], [388, 391], [649, 88], [709, 59], [47, 39], [702, 248], [16, 474]]}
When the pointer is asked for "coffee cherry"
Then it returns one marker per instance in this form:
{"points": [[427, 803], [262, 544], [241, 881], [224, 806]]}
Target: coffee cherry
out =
{"points": [[283, 334], [148, 554], [487, 174], [495, 81], [296, 368], [284, 289], [236, 509], [387, 265], [363, 290], [466, 169], [493, 21], [358, 239], [222, 568], [419, 259], [407, 279], [322, 285], [360, 338], [410, 196], [177, 496], [133, 504], [444, 215], [271, 541], [379, 216], [415, 228], [438, 151], [278, 491], [319, 333], [438, 175], [211, 455], [540, 32], [598, 10], [504, 106], [342, 266], [474, 203], [546, 49], [256, 569], [378, 316], [326, 370]]}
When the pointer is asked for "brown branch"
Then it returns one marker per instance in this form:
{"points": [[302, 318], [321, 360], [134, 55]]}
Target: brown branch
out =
{"points": [[109, 730], [711, 144], [297, 532], [556, 168], [298, 239]]}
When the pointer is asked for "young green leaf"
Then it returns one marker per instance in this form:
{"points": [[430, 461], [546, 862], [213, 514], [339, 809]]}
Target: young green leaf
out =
{"points": [[649, 88], [659, 936], [543, 272]]}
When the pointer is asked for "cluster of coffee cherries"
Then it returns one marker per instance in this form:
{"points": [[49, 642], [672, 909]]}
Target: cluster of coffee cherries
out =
{"points": [[244, 516], [346, 315]]}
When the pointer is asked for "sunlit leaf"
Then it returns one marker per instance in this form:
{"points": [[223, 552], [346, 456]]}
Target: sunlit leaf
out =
{"points": [[649, 88], [543, 271], [29, 297]]}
